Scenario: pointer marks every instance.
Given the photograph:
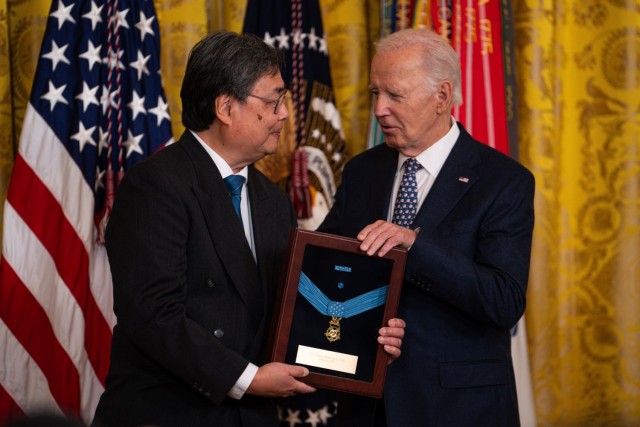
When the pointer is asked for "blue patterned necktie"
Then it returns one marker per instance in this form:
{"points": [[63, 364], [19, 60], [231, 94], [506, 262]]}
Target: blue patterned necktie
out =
{"points": [[234, 185], [407, 200]]}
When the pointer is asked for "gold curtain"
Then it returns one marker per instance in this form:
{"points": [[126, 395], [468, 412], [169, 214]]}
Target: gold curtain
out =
{"points": [[577, 65], [6, 113], [351, 27], [226, 15], [182, 23], [22, 26]]}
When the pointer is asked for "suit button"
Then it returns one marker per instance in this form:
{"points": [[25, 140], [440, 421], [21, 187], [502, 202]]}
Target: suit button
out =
{"points": [[218, 333], [210, 283]]}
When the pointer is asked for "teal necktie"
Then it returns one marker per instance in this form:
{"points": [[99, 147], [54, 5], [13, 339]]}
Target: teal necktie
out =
{"points": [[234, 185]]}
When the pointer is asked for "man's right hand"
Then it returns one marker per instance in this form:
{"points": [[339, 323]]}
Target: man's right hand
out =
{"points": [[279, 380], [378, 238]]}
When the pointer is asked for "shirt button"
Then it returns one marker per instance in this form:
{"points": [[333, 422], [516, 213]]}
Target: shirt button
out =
{"points": [[210, 283], [218, 333]]}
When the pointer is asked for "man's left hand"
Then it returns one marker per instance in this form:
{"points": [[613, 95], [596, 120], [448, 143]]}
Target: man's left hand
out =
{"points": [[391, 337]]}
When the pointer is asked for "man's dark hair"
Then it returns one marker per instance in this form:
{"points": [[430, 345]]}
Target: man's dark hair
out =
{"points": [[223, 63]]}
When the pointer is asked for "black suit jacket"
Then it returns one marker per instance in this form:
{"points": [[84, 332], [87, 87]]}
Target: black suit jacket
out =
{"points": [[465, 282], [192, 304]]}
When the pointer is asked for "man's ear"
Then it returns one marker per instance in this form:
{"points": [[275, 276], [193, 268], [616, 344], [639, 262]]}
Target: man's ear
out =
{"points": [[222, 108], [445, 96]]}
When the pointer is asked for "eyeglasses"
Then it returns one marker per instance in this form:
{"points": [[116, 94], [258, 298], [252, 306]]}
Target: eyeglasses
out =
{"points": [[278, 102]]}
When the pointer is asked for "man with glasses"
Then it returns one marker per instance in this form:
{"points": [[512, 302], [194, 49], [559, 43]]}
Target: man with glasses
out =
{"points": [[195, 243], [276, 102]]}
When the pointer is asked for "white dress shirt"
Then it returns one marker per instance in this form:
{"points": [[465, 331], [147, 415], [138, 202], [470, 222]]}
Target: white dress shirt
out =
{"points": [[431, 161], [225, 171]]}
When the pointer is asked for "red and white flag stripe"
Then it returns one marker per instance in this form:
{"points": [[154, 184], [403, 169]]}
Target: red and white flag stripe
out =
{"points": [[55, 298]]}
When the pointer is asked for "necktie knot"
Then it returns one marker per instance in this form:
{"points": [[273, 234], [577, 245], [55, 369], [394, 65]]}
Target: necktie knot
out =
{"points": [[234, 185], [407, 200], [411, 165]]}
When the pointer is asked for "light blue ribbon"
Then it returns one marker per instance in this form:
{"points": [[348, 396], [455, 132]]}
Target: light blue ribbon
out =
{"points": [[346, 309]]}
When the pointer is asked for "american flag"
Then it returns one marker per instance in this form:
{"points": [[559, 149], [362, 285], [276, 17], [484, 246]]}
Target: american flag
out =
{"points": [[97, 107], [295, 27]]}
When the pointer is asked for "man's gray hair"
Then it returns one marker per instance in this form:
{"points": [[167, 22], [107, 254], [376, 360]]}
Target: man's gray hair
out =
{"points": [[441, 62]]}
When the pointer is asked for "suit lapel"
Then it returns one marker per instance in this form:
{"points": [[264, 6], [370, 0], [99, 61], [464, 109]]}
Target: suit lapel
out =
{"points": [[264, 232], [382, 181], [263, 228], [456, 177], [227, 234]]}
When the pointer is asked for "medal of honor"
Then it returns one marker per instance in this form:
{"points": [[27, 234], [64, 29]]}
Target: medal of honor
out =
{"points": [[339, 310], [333, 331]]}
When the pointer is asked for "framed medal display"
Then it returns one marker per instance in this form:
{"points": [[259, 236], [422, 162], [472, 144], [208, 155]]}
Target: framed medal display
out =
{"points": [[332, 300]]}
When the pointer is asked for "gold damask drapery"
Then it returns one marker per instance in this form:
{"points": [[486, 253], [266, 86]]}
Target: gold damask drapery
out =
{"points": [[577, 65], [578, 69]]}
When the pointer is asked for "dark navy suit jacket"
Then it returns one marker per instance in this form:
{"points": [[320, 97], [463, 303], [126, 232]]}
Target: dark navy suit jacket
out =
{"points": [[465, 282], [193, 306]]}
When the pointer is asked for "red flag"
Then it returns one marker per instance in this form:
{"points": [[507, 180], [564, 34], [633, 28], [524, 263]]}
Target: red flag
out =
{"points": [[474, 30]]}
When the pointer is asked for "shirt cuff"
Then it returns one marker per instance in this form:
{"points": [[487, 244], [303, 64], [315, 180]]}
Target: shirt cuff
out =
{"points": [[241, 386], [417, 231]]}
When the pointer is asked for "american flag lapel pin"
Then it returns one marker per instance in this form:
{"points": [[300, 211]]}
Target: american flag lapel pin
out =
{"points": [[463, 179]]}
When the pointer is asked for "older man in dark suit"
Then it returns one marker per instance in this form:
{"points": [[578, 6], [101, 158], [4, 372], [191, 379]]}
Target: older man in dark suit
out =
{"points": [[195, 244], [465, 211]]}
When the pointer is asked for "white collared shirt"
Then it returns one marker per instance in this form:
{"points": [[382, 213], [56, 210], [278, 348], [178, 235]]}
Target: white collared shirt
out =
{"points": [[431, 161], [225, 171]]}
